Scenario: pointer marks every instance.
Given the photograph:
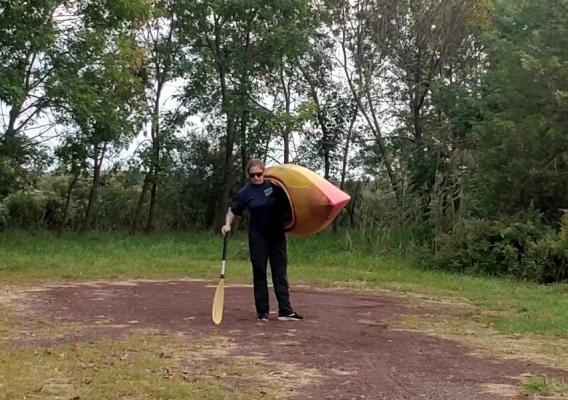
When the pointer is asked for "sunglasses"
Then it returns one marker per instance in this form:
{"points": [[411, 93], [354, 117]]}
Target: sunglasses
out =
{"points": [[256, 174]]}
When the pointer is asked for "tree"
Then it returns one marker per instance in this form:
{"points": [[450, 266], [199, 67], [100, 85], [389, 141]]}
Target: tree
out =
{"points": [[98, 86], [364, 62], [400, 58], [521, 160], [72, 157], [432, 44], [28, 35], [164, 64], [236, 43]]}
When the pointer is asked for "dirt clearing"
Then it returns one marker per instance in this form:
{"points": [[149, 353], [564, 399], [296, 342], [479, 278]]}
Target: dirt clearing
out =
{"points": [[350, 346]]}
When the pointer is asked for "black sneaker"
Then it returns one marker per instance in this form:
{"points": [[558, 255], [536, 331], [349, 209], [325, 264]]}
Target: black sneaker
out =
{"points": [[293, 316], [262, 317]]}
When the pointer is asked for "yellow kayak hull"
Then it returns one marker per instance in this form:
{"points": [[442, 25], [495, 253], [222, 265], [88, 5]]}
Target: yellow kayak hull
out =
{"points": [[315, 202]]}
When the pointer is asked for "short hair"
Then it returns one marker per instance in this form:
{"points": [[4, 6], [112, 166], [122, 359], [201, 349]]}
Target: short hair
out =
{"points": [[255, 162]]}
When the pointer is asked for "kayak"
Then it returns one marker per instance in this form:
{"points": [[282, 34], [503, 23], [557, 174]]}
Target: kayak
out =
{"points": [[314, 201]]}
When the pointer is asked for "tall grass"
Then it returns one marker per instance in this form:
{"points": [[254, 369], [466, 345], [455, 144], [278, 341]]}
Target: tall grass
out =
{"points": [[324, 260]]}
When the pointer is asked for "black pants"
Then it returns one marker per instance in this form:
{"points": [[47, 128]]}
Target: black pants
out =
{"points": [[273, 248]]}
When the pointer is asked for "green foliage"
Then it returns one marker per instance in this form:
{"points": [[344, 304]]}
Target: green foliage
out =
{"points": [[37, 209], [116, 208], [28, 36], [527, 250], [563, 234], [8, 178], [22, 164], [25, 209], [486, 246], [544, 386], [26, 29], [548, 260], [523, 142], [4, 216]]}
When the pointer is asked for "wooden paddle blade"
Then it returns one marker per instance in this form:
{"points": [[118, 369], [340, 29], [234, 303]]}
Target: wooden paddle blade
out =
{"points": [[218, 303]]}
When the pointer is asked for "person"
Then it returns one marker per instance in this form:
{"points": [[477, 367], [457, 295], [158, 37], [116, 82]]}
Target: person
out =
{"points": [[268, 206]]}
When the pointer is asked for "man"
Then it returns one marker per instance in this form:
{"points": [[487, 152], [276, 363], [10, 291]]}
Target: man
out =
{"points": [[268, 206]]}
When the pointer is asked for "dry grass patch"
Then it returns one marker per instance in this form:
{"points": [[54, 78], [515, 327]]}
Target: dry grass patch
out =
{"points": [[9, 327], [11, 311], [542, 387], [18, 323], [473, 331], [549, 351], [501, 390], [144, 365]]}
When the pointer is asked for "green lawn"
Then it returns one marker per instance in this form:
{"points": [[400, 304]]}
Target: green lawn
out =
{"points": [[325, 260]]}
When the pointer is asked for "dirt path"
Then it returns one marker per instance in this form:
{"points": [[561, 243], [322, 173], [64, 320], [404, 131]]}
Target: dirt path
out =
{"points": [[345, 337]]}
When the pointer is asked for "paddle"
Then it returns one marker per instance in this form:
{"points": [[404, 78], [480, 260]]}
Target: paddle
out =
{"points": [[219, 299]]}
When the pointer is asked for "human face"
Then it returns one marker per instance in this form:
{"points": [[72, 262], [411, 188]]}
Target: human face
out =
{"points": [[256, 175]]}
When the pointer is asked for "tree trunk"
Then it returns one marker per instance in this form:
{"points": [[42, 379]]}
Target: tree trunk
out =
{"points": [[353, 203], [244, 149], [266, 148], [162, 66], [153, 200], [227, 172], [287, 128], [155, 168], [326, 139], [154, 176], [227, 108], [244, 117], [140, 205], [27, 86], [320, 115], [10, 146], [93, 194], [345, 159], [70, 188], [370, 117], [13, 116]]}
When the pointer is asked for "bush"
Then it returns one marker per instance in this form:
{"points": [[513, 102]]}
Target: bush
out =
{"points": [[3, 216], [527, 250], [116, 206], [547, 261], [53, 211], [25, 209], [486, 247]]}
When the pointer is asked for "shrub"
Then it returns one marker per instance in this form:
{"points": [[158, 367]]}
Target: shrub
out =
{"points": [[53, 211], [3, 216], [25, 209], [116, 207], [488, 247], [547, 261], [527, 250]]}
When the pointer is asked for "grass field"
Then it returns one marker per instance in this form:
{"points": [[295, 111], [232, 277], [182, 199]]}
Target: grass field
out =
{"points": [[323, 261], [507, 316]]}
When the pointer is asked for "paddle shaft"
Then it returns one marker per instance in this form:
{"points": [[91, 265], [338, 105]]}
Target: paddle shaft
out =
{"points": [[225, 240]]}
